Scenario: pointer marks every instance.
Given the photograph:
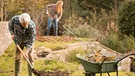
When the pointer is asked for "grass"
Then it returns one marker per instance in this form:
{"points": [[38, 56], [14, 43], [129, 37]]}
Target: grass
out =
{"points": [[53, 46], [7, 63], [50, 65], [57, 45]]}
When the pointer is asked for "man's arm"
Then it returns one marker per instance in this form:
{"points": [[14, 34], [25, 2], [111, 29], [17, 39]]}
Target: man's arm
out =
{"points": [[10, 27], [31, 38]]}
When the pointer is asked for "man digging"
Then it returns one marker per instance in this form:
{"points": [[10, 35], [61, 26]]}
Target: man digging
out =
{"points": [[23, 32]]}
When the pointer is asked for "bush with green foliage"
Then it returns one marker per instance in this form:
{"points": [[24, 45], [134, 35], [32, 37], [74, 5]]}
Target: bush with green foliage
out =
{"points": [[81, 28], [126, 18], [119, 42], [71, 55]]}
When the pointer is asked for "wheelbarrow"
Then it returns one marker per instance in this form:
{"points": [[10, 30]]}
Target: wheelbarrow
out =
{"points": [[91, 68]]}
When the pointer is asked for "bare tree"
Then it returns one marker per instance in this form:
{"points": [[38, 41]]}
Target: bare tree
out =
{"points": [[6, 7], [2, 9]]}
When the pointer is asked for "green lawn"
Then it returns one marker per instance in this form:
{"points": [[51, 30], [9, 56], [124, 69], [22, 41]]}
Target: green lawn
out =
{"points": [[7, 62]]}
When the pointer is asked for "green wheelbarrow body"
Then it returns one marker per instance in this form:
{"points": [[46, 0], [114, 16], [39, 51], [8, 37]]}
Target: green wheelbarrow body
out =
{"points": [[100, 67]]}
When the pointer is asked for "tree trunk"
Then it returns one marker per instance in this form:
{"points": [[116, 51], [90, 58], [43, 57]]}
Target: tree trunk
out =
{"points": [[115, 6], [1, 10]]}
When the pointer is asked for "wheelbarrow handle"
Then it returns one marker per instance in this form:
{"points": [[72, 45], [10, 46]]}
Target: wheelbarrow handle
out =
{"points": [[103, 61], [125, 57], [24, 56]]}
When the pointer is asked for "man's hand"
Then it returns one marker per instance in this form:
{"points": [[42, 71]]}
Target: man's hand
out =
{"points": [[26, 53], [13, 36]]}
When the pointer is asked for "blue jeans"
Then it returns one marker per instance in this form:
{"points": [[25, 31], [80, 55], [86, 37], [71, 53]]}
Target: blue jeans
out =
{"points": [[55, 26], [50, 23]]}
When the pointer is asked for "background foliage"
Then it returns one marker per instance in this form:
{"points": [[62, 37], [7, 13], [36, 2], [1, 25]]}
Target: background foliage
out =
{"points": [[126, 18]]}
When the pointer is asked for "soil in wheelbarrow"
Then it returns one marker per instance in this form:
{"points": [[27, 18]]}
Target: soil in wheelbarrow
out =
{"points": [[54, 73]]}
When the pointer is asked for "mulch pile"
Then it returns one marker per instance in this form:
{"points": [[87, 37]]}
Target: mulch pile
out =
{"points": [[99, 57], [55, 38]]}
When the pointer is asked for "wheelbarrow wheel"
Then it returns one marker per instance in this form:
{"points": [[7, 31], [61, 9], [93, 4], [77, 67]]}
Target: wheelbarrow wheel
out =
{"points": [[89, 74]]}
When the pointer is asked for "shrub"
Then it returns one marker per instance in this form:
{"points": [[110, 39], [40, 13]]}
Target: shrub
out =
{"points": [[84, 31], [71, 55], [119, 42], [126, 18]]}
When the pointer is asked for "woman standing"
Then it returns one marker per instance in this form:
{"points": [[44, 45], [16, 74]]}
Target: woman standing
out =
{"points": [[54, 12]]}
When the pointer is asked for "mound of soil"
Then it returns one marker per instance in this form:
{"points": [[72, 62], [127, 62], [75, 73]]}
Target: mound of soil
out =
{"points": [[55, 38]]}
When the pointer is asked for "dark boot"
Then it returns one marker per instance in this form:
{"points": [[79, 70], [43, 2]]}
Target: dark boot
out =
{"points": [[47, 32], [55, 31]]}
